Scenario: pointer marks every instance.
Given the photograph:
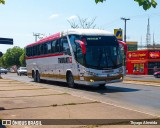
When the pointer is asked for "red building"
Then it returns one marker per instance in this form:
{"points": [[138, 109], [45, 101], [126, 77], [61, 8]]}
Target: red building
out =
{"points": [[143, 62]]}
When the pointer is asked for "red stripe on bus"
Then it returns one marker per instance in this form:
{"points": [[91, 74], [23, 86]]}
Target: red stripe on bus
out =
{"points": [[52, 37], [44, 56]]}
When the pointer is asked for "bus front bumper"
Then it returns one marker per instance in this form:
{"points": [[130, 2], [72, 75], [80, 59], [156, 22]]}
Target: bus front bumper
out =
{"points": [[96, 81]]}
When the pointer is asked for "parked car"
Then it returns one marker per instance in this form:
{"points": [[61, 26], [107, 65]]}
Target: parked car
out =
{"points": [[22, 71], [3, 70], [157, 74]]}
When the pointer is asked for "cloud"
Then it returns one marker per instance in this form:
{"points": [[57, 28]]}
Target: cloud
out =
{"points": [[53, 16], [72, 17]]}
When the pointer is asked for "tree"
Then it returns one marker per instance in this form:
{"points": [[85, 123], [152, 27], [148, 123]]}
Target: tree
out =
{"points": [[2, 62], [22, 59], [11, 57], [2, 1], [83, 23], [146, 4]]}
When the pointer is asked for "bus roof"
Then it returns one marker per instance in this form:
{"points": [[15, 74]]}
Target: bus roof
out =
{"points": [[72, 31], [86, 32]]}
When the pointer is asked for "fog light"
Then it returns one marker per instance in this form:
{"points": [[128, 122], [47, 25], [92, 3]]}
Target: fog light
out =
{"points": [[91, 80]]}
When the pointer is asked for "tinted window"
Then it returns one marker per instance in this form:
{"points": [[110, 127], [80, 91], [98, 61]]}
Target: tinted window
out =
{"points": [[53, 46], [57, 46], [49, 47], [79, 55], [72, 39], [65, 46], [41, 49]]}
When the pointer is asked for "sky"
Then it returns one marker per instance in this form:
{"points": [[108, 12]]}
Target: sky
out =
{"points": [[19, 19]]}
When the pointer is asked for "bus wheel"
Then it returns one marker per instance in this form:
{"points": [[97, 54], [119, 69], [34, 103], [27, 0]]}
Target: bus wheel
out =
{"points": [[35, 77], [38, 77], [70, 80]]}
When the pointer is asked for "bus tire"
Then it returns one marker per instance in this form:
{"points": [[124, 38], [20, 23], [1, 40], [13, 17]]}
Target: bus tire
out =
{"points": [[70, 80], [35, 76], [38, 77]]}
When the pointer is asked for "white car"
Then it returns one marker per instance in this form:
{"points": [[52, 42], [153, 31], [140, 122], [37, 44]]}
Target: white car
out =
{"points": [[22, 71], [2, 70]]}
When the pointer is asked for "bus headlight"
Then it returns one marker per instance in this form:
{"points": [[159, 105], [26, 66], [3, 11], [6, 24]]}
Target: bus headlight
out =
{"points": [[121, 70]]}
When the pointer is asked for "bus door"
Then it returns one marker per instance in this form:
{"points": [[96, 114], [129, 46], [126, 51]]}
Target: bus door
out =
{"points": [[80, 54], [123, 47], [64, 62]]}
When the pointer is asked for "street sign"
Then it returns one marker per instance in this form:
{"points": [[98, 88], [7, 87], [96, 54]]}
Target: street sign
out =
{"points": [[6, 41], [118, 33], [1, 54]]}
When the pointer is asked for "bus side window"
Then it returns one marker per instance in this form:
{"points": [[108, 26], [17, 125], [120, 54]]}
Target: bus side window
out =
{"points": [[65, 46], [57, 46], [34, 50], [38, 50], [49, 47], [53, 46], [31, 51], [27, 52], [41, 49]]}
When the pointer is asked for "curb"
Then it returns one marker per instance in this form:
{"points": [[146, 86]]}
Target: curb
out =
{"points": [[153, 81]]}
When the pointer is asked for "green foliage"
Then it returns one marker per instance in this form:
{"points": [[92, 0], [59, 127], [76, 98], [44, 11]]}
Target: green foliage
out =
{"points": [[99, 1], [2, 1], [2, 64], [146, 4], [22, 59], [11, 57]]}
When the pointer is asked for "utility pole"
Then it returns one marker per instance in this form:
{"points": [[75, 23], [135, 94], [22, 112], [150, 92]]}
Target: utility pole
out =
{"points": [[125, 20], [36, 36], [153, 42], [148, 35]]}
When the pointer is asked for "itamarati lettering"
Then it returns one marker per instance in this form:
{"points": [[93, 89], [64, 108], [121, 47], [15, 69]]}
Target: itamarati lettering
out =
{"points": [[65, 60]]}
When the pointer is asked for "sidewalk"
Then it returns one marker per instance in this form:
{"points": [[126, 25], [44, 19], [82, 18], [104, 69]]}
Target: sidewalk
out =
{"points": [[142, 78], [20, 100]]}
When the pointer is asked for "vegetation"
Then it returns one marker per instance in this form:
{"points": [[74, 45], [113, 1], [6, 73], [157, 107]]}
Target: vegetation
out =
{"points": [[2, 1], [146, 4], [13, 56], [22, 60], [82, 23]]}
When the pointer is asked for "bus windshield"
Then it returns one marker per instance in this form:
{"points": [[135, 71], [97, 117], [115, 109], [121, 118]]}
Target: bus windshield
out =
{"points": [[102, 52]]}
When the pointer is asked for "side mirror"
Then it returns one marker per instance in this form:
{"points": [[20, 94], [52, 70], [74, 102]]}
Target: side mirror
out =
{"points": [[124, 45], [82, 45]]}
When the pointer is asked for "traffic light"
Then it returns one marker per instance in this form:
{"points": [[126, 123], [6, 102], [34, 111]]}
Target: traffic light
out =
{"points": [[1, 54]]}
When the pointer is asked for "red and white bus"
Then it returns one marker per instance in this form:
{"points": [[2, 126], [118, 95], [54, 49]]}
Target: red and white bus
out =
{"points": [[76, 56]]}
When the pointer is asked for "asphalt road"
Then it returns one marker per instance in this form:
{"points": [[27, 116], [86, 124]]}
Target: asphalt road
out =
{"points": [[137, 97]]}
